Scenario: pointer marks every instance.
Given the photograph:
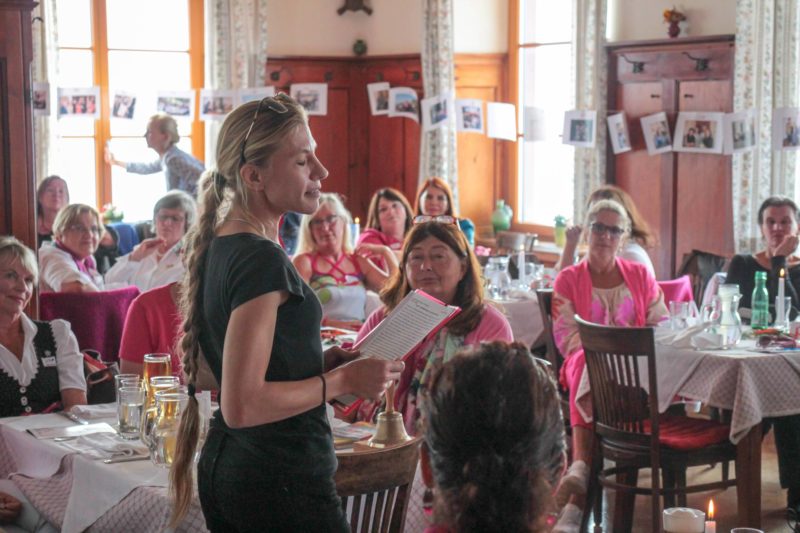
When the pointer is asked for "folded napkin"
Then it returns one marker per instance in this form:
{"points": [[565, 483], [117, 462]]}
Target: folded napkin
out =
{"points": [[519, 294], [706, 340], [92, 412], [678, 339], [105, 446]]}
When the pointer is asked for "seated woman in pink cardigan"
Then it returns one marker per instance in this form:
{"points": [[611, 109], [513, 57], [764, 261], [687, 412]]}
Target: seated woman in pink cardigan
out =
{"points": [[438, 260], [604, 289]]}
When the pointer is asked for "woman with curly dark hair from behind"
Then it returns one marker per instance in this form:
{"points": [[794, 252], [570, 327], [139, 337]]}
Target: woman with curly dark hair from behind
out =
{"points": [[494, 441]]}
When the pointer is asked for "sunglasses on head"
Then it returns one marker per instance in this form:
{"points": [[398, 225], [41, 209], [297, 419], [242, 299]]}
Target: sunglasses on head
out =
{"points": [[441, 219], [270, 103]]}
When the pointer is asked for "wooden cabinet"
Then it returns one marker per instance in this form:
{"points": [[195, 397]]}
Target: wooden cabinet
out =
{"points": [[364, 152], [686, 197], [17, 183]]}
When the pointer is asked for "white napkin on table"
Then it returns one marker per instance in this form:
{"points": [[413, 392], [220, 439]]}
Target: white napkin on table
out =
{"points": [[678, 339], [93, 412]]}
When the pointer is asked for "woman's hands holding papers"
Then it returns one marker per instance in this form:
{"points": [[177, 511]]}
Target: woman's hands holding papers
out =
{"points": [[336, 356], [366, 378]]}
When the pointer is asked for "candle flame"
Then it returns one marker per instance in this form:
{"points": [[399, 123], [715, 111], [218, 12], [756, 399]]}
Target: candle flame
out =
{"points": [[782, 273], [710, 509], [356, 220]]}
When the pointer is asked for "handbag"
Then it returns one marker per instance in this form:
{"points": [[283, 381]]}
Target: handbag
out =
{"points": [[100, 386]]}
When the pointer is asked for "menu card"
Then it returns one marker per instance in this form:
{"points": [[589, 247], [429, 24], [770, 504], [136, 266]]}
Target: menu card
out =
{"points": [[418, 316], [71, 431]]}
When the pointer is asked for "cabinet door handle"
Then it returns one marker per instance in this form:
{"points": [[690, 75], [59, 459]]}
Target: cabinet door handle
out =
{"points": [[688, 96], [655, 96]]}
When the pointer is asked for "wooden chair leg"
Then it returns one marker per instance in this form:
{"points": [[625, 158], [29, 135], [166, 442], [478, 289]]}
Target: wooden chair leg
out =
{"points": [[680, 483], [668, 482], [726, 470], [594, 496], [624, 501]]}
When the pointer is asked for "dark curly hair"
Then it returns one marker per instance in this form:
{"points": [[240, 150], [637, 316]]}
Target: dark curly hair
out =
{"points": [[495, 436]]}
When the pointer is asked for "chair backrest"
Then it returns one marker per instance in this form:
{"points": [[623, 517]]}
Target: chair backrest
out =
{"points": [[375, 485], [617, 359], [545, 297], [128, 237], [96, 318], [677, 290], [700, 266]]}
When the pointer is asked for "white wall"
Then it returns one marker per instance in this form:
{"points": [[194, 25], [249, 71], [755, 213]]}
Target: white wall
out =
{"points": [[312, 27], [642, 19]]}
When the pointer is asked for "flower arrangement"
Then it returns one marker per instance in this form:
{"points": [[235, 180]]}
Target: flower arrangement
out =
{"points": [[673, 16], [111, 213]]}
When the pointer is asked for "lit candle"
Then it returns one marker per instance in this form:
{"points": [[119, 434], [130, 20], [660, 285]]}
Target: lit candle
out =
{"points": [[780, 311], [521, 264], [355, 232], [711, 524]]}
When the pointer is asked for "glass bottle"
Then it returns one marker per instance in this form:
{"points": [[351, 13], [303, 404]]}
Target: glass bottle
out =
{"points": [[760, 303], [498, 279], [501, 218]]}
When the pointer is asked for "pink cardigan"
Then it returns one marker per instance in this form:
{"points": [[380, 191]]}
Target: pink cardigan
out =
{"points": [[575, 284]]}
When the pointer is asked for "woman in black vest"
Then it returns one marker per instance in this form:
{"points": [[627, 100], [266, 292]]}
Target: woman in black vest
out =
{"points": [[40, 364]]}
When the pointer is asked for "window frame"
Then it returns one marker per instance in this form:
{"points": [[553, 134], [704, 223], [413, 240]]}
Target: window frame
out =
{"points": [[102, 126], [514, 151]]}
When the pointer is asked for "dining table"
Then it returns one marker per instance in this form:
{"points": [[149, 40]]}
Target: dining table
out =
{"points": [[748, 383]]}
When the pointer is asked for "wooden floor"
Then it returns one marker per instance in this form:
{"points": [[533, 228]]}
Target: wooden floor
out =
{"points": [[773, 499]]}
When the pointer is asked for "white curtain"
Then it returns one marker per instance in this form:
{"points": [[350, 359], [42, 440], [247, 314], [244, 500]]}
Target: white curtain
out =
{"points": [[236, 52], [765, 78], [589, 37], [438, 155], [45, 69]]}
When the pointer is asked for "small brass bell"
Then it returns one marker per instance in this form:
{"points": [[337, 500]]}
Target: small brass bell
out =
{"points": [[390, 429]]}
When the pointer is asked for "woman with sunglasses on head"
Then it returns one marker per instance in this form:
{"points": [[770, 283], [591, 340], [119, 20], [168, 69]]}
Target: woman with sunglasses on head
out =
{"points": [[268, 459], [66, 263], [339, 276], [435, 198], [604, 289], [157, 261], [436, 259], [388, 220]]}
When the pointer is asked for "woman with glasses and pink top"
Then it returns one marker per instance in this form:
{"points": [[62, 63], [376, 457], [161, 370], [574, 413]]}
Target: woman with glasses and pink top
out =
{"points": [[66, 263], [339, 276], [157, 261], [604, 289]]}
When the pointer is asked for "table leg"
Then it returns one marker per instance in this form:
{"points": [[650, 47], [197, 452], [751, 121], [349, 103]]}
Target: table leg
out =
{"points": [[748, 478]]}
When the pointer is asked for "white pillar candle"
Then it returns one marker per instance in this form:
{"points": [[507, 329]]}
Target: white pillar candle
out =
{"points": [[780, 311], [711, 524]]}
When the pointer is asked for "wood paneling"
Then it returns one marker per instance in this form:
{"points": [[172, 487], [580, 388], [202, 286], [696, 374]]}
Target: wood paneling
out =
{"points": [[686, 197], [364, 152]]}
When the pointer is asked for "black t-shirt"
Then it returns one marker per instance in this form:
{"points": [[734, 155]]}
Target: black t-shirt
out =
{"points": [[742, 271], [239, 268]]}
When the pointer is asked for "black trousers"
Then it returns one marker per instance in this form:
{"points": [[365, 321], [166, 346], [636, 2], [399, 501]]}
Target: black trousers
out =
{"points": [[787, 444], [237, 495]]}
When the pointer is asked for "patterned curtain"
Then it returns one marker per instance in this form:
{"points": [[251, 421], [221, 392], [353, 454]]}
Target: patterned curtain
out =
{"points": [[236, 52], [437, 155], [589, 55], [45, 69], [765, 78]]}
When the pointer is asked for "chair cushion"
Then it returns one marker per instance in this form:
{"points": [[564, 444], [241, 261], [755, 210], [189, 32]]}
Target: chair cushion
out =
{"points": [[684, 433]]}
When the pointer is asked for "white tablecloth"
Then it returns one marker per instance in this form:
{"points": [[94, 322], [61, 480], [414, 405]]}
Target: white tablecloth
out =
{"points": [[74, 492], [752, 385]]}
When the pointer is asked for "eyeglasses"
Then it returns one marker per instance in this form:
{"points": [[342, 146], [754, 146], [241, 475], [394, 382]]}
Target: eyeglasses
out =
{"points": [[441, 219], [273, 105], [175, 219], [598, 228], [77, 228], [328, 221]]}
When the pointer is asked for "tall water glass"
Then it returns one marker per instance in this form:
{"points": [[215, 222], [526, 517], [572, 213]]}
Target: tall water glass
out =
{"points": [[156, 364], [163, 434], [127, 380], [130, 404]]}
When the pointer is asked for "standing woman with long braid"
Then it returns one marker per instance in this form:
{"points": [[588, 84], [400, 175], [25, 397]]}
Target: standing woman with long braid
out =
{"points": [[268, 460]]}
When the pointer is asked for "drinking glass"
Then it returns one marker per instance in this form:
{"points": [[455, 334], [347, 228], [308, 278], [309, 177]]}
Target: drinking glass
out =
{"points": [[746, 530], [162, 435], [683, 520], [678, 315], [130, 403], [127, 380], [787, 308], [156, 364]]}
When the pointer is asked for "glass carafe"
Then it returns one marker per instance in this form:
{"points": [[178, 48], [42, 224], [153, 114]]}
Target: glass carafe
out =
{"points": [[498, 279], [158, 384], [163, 433], [722, 316]]}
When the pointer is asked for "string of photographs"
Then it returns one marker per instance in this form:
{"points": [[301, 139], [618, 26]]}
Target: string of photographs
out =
{"points": [[435, 111], [709, 133]]}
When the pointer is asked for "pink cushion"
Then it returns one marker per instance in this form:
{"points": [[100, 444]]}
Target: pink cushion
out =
{"points": [[677, 290], [684, 433]]}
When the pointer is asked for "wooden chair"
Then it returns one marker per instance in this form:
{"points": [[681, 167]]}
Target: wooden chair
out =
{"points": [[545, 297], [700, 266], [379, 480], [630, 432], [677, 290]]}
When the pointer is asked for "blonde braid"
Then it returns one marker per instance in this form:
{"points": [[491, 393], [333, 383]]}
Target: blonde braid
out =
{"points": [[198, 241]]}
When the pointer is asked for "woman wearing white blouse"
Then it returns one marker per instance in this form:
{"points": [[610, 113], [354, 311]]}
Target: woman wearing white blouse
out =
{"points": [[157, 261]]}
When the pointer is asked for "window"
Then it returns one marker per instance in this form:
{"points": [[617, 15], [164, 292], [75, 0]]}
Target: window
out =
{"points": [[541, 59], [137, 48]]}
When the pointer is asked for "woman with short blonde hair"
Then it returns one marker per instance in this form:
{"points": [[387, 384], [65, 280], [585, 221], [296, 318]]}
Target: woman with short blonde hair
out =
{"points": [[67, 264]]}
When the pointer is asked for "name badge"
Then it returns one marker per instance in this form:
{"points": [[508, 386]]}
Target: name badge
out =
{"points": [[49, 361]]}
